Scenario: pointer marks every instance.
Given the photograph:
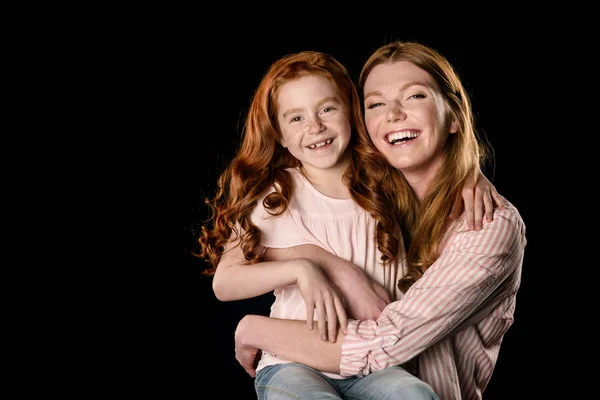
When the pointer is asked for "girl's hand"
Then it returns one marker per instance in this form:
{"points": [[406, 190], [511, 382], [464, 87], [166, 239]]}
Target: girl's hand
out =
{"points": [[321, 298], [363, 297], [479, 198]]}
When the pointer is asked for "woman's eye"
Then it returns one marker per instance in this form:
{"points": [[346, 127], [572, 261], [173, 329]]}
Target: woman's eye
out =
{"points": [[373, 105], [417, 96]]}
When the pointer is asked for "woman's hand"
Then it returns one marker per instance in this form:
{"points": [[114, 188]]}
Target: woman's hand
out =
{"points": [[245, 354]]}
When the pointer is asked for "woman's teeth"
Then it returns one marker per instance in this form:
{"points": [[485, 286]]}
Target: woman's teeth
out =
{"points": [[401, 136]]}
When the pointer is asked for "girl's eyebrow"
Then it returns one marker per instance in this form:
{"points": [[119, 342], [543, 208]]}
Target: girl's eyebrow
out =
{"points": [[319, 104]]}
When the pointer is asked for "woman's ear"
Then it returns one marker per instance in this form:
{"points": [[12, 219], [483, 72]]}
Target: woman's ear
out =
{"points": [[453, 126]]}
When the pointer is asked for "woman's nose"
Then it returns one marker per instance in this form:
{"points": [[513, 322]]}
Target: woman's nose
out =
{"points": [[395, 113]]}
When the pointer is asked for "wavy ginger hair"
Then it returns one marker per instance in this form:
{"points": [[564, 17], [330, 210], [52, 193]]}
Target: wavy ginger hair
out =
{"points": [[261, 161], [425, 223]]}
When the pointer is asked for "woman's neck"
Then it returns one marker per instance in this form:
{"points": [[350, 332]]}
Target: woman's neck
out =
{"points": [[419, 184], [420, 179]]}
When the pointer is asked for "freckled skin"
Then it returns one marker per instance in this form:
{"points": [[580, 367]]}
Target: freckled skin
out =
{"points": [[311, 111]]}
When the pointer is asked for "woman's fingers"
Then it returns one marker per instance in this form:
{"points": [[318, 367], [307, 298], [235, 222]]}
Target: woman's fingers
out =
{"points": [[341, 313]]}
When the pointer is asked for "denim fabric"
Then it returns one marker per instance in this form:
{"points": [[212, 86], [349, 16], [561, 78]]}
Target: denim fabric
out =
{"points": [[297, 381]]}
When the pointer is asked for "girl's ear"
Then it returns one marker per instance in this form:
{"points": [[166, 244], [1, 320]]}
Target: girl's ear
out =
{"points": [[282, 142]]}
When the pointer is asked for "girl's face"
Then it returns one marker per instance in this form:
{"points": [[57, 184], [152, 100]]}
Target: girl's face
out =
{"points": [[406, 118], [314, 122]]}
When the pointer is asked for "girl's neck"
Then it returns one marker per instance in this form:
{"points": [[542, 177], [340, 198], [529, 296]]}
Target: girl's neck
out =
{"points": [[328, 181]]}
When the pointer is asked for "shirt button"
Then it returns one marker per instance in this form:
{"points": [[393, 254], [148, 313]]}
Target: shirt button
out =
{"points": [[390, 340]]}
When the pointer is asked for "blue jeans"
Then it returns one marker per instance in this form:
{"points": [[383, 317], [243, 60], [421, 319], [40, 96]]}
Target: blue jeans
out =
{"points": [[297, 381]]}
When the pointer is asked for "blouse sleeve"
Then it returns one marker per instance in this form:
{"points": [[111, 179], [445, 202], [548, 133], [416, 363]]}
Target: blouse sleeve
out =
{"points": [[279, 231], [470, 277]]}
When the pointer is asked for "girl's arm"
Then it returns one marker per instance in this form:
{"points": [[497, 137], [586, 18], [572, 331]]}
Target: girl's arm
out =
{"points": [[235, 279], [479, 198], [363, 297]]}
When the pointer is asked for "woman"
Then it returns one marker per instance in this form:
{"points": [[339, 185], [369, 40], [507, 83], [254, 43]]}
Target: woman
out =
{"points": [[460, 286]]}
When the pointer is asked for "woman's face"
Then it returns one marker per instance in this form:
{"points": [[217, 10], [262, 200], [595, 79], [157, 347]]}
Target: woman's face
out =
{"points": [[406, 118]]}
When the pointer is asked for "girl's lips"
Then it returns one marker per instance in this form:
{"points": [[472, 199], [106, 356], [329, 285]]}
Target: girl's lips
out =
{"points": [[320, 144]]}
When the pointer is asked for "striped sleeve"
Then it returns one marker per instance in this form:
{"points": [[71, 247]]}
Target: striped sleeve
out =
{"points": [[466, 279]]}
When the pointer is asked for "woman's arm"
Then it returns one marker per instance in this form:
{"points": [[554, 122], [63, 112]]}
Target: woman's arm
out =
{"points": [[286, 338], [463, 281], [476, 271]]}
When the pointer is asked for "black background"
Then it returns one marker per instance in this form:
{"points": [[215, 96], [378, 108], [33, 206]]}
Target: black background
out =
{"points": [[498, 73]]}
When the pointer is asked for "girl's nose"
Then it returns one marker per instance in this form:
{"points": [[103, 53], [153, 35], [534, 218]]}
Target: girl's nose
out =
{"points": [[315, 126]]}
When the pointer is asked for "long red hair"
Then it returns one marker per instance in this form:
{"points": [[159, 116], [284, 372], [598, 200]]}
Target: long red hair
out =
{"points": [[425, 223], [261, 161]]}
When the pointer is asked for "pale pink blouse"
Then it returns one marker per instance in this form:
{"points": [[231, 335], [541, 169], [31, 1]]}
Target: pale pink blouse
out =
{"points": [[338, 226], [453, 318]]}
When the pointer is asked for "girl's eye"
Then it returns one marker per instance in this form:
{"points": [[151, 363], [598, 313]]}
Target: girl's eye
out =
{"points": [[328, 109], [295, 119], [417, 96]]}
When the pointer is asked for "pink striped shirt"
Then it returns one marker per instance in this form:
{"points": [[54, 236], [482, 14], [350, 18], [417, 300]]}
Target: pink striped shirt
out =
{"points": [[454, 317]]}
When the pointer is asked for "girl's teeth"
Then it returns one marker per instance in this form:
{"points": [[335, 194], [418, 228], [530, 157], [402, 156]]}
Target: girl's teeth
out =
{"points": [[314, 146]]}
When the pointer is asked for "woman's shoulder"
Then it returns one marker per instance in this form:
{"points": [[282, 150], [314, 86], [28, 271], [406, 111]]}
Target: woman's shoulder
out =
{"points": [[509, 212], [507, 225]]}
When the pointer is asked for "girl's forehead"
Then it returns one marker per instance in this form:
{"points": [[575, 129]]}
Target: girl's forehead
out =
{"points": [[311, 86]]}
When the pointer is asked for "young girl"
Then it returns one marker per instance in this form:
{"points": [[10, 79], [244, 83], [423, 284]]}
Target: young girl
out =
{"points": [[286, 187], [460, 285]]}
